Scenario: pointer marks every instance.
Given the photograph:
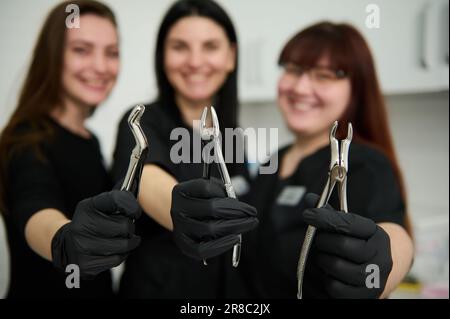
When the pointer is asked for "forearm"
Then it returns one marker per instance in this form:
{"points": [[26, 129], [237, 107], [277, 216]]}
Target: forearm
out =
{"points": [[402, 250], [155, 194], [41, 228]]}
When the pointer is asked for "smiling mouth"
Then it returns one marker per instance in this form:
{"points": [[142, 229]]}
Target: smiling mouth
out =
{"points": [[96, 84], [196, 78], [301, 106]]}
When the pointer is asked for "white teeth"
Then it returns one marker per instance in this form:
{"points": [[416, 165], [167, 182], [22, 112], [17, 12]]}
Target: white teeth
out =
{"points": [[196, 77], [302, 106], [95, 82]]}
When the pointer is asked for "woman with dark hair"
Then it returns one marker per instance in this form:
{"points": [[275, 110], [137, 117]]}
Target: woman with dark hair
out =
{"points": [[196, 66], [51, 168], [328, 75]]}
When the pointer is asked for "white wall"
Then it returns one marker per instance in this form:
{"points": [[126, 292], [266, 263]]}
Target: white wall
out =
{"points": [[421, 132]]}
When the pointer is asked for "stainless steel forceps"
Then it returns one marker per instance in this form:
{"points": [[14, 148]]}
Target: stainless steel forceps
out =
{"points": [[209, 134], [138, 154], [337, 174]]}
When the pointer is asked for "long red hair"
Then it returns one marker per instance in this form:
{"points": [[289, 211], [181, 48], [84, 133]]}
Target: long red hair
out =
{"points": [[347, 50]]}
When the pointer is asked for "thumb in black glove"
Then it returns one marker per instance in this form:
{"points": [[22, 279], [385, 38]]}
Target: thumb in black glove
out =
{"points": [[346, 250], [100, 235], [207, 223]]}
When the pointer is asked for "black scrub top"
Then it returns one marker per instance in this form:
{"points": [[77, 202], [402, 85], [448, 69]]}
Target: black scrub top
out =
{"points": [[158, 268], [270, 256], [72, 171]]}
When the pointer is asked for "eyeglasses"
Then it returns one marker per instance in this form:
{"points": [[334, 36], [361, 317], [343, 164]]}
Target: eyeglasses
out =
{"points": [[318, 75]]}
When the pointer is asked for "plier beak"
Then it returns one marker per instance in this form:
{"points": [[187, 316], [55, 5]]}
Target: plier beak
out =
{"points": [[340, 149], [209, 133], [138, 154]]}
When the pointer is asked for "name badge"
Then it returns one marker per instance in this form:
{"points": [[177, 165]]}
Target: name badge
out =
{"points": [[291, 195], [240, 185]]}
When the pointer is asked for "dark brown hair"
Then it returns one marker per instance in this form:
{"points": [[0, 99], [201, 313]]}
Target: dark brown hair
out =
{"points": [[42, 89], [347, 50], [226, 99]]}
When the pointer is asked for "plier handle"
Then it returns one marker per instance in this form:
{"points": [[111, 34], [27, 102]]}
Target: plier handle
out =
{"points": [[337, 174], [209, 134]]}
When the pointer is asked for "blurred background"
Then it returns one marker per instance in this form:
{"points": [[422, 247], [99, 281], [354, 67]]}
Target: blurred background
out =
{"points": [[410, 43]]}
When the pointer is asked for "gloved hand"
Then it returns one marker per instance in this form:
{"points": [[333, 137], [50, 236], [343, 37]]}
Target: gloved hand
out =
{"points": [[344, 245], [100, 235], [207, 223]]}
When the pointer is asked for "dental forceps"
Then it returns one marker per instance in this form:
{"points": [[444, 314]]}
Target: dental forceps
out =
{"points": [[337, 174], [209, 134], [139, 152]]}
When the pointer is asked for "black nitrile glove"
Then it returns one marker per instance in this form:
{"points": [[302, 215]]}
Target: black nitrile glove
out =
{"points": [[206, 223], [100, 235], [344, 246]]}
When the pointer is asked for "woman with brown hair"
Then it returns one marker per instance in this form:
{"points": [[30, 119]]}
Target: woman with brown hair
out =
{"points": [[51, 166], [328, 75]]}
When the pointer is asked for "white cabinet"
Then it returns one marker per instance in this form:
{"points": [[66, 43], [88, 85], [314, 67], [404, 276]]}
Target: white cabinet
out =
{"points": [[408, 31]]}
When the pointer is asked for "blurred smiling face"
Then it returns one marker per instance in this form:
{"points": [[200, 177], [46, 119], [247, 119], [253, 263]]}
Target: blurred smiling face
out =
{"points": [[91, 60], [312, 99], [197, 58]]}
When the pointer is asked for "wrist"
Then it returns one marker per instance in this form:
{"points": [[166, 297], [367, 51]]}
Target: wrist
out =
{"points": [[41, 228], [59, 256], [402, 252]]}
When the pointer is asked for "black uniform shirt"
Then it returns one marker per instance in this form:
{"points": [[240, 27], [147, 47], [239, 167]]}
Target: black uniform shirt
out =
{"points": [[270, 255], [157, 268], [73, 171]]}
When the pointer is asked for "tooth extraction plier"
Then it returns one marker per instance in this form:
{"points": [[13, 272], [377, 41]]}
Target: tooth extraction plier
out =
{"points": [[337, 174], [209, 134], [139, 152]]}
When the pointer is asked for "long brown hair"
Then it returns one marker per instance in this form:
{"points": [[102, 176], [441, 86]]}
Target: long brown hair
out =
{"points": [[348, 51], [42, 89]]}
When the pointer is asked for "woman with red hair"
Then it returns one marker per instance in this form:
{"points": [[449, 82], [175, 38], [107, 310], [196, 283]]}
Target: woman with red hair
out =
{"points": [[328, 75]]}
